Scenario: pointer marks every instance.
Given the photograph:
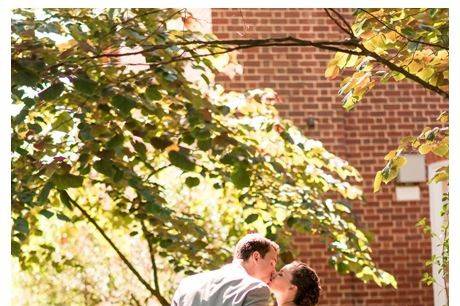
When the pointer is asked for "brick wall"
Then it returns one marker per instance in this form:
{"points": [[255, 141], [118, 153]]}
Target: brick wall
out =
{"points": [[362, 137]]}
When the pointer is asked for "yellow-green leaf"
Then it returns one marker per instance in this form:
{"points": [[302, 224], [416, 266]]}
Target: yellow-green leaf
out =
{"points": [[332, 71], [399, 161], [425, 74], [378, 181], [63, 122], [390, 155], [425, 148], [441, 150]]}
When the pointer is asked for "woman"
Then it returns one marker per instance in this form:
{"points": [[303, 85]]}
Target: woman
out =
{"points": [[296, 284]]}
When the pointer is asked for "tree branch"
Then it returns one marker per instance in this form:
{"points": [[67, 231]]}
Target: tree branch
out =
{"points": [[242, 44], [349, 46], [404, 72], [292, 41], [154, 292], [147, 236]]}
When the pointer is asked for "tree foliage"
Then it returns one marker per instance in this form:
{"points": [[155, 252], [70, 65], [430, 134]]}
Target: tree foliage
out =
{"points": [[94, 134], [416, 41]]}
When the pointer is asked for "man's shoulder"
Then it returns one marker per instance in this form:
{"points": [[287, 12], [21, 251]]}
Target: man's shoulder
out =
{"points": [[197, 278], [228, 275], [229, 285]]}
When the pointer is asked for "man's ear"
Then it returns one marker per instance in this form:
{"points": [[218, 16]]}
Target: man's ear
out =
{"points": [[256, 256]]}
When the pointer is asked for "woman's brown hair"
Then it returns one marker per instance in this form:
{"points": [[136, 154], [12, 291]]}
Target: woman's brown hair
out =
{"points": [[308, 285]]}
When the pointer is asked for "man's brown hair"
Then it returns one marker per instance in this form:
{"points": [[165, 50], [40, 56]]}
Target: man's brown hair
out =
{"points": [[252, 243]]}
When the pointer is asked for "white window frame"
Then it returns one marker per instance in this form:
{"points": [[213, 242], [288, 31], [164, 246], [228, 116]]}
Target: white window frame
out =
{"points": [[435, 194]]}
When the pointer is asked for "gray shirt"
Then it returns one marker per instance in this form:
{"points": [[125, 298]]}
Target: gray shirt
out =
{"points": [[230, 285]]}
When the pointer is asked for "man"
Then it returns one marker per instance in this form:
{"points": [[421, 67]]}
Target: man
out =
{"points": [[241, 283]]}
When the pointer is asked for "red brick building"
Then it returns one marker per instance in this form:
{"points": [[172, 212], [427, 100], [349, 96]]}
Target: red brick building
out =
{"points": [[362, 137]]}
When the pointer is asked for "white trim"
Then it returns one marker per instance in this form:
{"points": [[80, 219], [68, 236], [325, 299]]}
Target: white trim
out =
{"points": [[435, 195]]}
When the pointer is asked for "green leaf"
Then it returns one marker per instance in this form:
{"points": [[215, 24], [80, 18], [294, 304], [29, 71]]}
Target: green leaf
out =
{"points": [[160, 143], [140, 148], [116, 141], [22, 225], [35, 127], [63, 217], [48, 214], [123, 104], [188, 138], [201, 134], [118, 174], [105, 167], [15, 248], [181, 161], [84, 158], [192, 181], [204, 144], [152, 93], [342, 267], [65, 199], [251, 218], [43, 195], [64, 181], [398, 76], [240, 177], [63, 123], [85, 85], [24, 76], [408, 31], [224, 110], [153, 208], [278, 167], [157, 210], [205, 78], [53, 92]]}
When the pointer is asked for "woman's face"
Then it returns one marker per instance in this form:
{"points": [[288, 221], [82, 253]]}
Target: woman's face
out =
{"points": [[281, 282]]}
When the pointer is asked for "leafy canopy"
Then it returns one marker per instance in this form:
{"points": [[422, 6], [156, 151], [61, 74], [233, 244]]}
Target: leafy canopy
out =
{"points": [[93, 124]]}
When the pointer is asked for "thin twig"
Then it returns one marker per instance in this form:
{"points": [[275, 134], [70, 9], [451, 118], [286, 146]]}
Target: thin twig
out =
{"points": [[445, 268], [245, 27], [347, 24], [348, 31], [136, 301], [154, 292], [155, 172], [147, 236]]}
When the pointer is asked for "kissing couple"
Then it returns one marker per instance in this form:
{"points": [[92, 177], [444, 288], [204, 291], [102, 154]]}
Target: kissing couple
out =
{"points": [[250, 278]]}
